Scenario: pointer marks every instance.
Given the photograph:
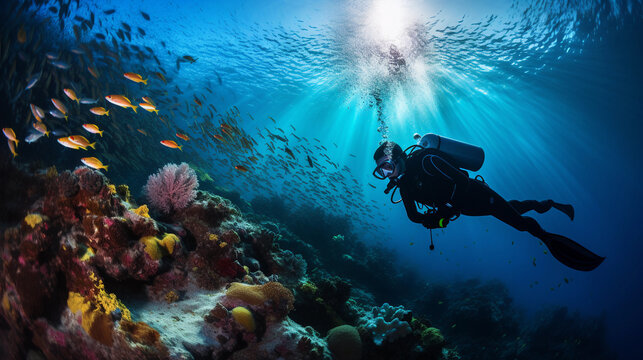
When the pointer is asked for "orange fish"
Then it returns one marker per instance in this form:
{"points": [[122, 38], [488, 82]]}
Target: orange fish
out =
{"points": [[142, 132], [148, 100], [72, 95], [197, 101], [12, 147], [218, 137], [135, 77], [149, 107], [37, 112], [99, 111], [64, 141], [241, 168], [160, 76], [22, 35], [183, 136], [172, 144], [10, 134], [81, 141], [60, 106], [92, 128], [93, 71], [121, 101], [41, 128], [93, 163]]}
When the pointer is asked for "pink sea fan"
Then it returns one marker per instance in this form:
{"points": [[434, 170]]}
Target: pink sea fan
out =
{"points": [[172, 188]]}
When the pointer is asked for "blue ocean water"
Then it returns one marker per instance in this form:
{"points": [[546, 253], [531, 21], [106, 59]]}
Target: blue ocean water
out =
{"points": [[551, 90]]}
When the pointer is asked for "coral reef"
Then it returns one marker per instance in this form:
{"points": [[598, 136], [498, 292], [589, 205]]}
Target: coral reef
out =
{"points": [[86, 272], [172, 188]]}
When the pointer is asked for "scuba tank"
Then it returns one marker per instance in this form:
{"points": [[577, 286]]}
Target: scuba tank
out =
{"points": [[465, 156]]}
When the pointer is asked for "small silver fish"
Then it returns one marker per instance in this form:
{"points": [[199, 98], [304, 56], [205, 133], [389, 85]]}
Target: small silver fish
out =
{"points": [[33, 137], [77, 51], [56, 114], [32, 81], [88, 101], [51, 55], [60, 64]]}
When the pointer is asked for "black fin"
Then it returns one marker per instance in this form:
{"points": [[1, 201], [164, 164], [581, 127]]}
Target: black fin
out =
{"points": [[572, 253]]}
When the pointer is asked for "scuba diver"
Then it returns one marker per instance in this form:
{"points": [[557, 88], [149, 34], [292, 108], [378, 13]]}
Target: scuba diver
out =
{"points": [[432, 174]]}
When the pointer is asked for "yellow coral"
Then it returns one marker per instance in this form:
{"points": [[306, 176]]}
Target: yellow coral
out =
{"points": [[108, 302], [123, 192], [309, 287], [33, 220], [142, 210], [223, 244], [52, 172], [89, 253], [213, 237], [169, 242], [5, 302], [171, 297], [154, 246], [111, 188], [96, 323], [244, 318]]}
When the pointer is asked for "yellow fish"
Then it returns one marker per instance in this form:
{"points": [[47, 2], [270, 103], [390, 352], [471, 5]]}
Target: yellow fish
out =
{"points": [[94, 163], [37, 112], [60, 106], [99, 111], [81, 141], [121, 101], [92, 128], [149, 107], [148, 100], [135, 77], [171, 144], [41, 128], [8, 132], [64, 141], [12, 147], [71, 95]]}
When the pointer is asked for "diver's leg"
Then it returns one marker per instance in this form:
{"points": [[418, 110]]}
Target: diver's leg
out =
{"points": [[482, 200], [541, 207]]}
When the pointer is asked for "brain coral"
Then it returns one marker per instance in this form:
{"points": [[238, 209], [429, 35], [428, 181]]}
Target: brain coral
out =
{"points": [[344, 342]]}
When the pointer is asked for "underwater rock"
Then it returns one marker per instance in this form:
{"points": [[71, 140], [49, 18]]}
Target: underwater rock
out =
{"points": [[90, 180]]}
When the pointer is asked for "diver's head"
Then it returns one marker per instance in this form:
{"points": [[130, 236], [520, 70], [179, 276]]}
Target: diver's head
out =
{"points": [[389, 158]]}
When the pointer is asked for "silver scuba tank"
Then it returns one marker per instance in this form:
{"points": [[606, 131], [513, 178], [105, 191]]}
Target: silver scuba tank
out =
{"points": [[466, 156]]}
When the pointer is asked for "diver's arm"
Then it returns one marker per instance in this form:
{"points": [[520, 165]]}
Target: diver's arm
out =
{"points": [[411, 209], [435, 165]]}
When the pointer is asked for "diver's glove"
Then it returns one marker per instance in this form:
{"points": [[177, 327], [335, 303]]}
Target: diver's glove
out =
{"points": [[436, 222]]}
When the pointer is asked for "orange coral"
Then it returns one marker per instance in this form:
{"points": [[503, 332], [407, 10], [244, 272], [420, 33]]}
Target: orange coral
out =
{"points": [[140, 332], [258, 294]]}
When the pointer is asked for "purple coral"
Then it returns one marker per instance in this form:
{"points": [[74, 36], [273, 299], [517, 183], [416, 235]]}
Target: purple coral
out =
{"points": [[172, 188]]}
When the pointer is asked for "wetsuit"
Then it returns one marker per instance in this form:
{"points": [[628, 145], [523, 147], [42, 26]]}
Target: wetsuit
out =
{"points": [[430, 179]]}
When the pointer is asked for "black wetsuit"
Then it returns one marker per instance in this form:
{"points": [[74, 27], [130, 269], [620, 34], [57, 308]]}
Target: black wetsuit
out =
{"points": [[430, 179]]}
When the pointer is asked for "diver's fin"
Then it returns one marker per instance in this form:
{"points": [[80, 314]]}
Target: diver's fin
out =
{"points": [[571, 253], [567, 209]]}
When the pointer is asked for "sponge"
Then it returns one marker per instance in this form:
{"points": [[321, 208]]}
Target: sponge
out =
{"points": [[244, 317]]}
